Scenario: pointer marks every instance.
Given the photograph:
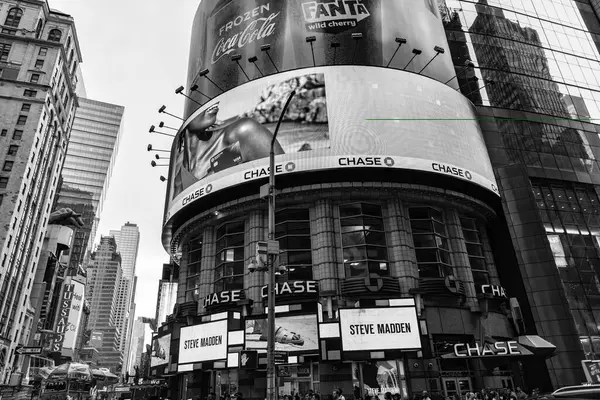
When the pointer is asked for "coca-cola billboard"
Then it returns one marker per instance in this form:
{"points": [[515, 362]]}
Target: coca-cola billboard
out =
{"points": [[270, 36]]}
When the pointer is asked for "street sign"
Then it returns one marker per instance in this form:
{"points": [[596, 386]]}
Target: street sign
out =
{"points": [[29, 350], [280, 357]]}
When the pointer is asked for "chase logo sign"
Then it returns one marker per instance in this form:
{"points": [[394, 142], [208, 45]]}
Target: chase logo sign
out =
{"points": [[333, 16]]}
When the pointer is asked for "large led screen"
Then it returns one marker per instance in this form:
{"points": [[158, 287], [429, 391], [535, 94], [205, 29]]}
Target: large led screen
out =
{"points": [[342, 117], [303, 33], [292, 333], [161, 350]]}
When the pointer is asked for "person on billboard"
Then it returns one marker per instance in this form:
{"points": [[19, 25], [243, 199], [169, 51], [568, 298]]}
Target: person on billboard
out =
{"points": [[210, 145], [282, 335]]}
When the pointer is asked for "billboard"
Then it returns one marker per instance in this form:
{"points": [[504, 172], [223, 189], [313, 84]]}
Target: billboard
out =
{"points": [[298, 333], [161, 350], [203, 342], [74, 315], [384, 328], [62, 323], [340, 32], [342, 117]]}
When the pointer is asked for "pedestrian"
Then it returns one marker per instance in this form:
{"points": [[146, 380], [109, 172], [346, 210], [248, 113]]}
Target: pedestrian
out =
{"points": [[521, 395], [337, 394], [425, 395], [387, 396]]}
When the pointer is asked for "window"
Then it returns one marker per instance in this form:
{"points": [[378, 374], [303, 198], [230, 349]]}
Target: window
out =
{"points": [[71, 56], [292, 229], [9, 31], [14, 17], [54, 35], [35, 78], [475, 251], [4, 50], [25, 107], [229, 271], [4, 132], [22, 119], [29, 93], [18, 134], [363, 240], [194, 266], [39, 63], [38, 29], [8, 165], [43, 51], [431, 243], [3, 182], [68, 42], [12, 150]]}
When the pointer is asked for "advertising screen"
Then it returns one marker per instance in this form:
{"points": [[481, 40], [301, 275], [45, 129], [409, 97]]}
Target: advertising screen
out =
{"points": [[385, 328], [342, 117], [204, 342], [292, 334], [362, 32], [161, 350]]}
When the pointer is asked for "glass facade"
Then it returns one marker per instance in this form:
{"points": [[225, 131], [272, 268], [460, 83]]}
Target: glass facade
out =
{"points": [[292, 230], [538, 81], [229, 265], [431, 243], [363, 240], [571, 219], [194, 267]]}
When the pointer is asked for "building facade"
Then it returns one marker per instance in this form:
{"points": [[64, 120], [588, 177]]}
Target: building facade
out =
{"points": [[128, 241], [39, 59], [88, 166], [104, 275], [546, 166]]}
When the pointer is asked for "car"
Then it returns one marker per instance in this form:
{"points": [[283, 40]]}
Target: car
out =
{"points": [[590, 391]]}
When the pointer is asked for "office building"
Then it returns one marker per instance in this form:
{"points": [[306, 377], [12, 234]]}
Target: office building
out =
{"points": [[39, 58], [141, 337], [128, 240], [87, 170], [437, 229], [104, 277]]}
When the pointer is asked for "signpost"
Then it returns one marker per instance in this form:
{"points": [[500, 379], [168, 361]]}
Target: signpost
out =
{"points": [[29, 350]]}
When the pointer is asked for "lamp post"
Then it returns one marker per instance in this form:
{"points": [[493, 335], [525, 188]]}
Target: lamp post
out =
{"points": [[271, 376]]}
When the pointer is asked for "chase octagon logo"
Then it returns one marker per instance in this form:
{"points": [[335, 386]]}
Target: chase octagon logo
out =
{"points": [[334, 16]]}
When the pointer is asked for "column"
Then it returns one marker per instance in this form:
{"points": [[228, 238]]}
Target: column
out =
{"points": [[256, 230], [459, 255], [401, 250], [325, 264]]}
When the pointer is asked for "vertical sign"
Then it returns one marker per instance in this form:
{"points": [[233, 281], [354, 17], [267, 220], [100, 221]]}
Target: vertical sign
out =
{"points": [[76, 309], [63, 317]]}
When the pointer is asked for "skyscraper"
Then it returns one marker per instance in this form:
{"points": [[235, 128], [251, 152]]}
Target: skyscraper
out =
{"points": [[128, 240], [39, 58], [91, 154], [104, 277]]}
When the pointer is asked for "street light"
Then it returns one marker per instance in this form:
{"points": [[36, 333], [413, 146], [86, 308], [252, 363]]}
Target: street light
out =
{"points": [[271, 250]]}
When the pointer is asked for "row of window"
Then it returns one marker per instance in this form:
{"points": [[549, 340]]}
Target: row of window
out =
{"points": [[13, 19], [364, 247]]}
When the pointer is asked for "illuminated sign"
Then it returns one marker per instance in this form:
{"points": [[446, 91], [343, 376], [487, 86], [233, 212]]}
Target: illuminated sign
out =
{"points": [[293, 288], [203, 342], [498, 349], [225, 297], [383, 328], [496, 291]]}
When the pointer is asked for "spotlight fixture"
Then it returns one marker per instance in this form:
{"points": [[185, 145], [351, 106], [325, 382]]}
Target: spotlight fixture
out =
{"points": [[204, 74], [253, 61], [310, 40], [236, 58], [400, 42], [438, 50], [468, 65], [194, 88], [162, 178], [161, 124], [415, 52], [334, 46], [162, 110], [179, 90], [266, 48]]}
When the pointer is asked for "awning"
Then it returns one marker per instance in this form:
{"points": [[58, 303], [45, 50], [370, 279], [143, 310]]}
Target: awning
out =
{"points": [[537, 345]]}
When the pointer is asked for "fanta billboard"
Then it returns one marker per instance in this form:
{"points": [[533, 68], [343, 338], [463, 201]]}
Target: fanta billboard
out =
{"points": [[271, 36]]}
